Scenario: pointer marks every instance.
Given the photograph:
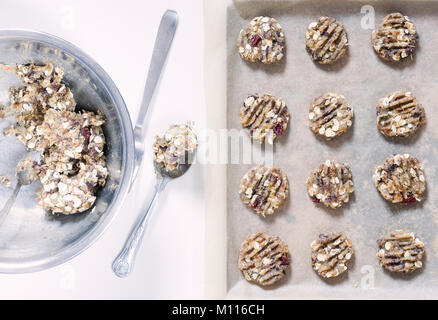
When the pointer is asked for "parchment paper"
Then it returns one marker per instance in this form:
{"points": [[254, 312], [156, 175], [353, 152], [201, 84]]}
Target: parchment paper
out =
{"points": [[362, 77]]}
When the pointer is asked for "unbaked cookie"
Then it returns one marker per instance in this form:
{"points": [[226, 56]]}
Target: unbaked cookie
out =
{"points": [[330, 115], [262, 40], [331, 253], [326, 40], [396, 37], [331, 184], [400, 179], [264, 189], [399, 115], [263, 259], [400, 251], [266, 117]]}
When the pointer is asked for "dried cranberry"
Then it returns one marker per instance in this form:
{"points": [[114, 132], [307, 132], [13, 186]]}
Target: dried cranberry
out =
{"points": [[284, 260], [409, 199], [278, 129], [90, 185], [255, 40], [316, 200], [86, 133]]}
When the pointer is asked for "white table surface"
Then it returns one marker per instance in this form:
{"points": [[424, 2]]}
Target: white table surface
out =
{"points": [[120, 36]]}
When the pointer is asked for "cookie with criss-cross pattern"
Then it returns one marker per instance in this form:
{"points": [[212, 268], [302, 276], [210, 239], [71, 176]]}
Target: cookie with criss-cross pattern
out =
{"points": [[263, 259], [326, 40], [264, 189], [331, 253], [400, 251], [262, 40], [265, 116], [330, 115], [396, 38], [400, 115]]}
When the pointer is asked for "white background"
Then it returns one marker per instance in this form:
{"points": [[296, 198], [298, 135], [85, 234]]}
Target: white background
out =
{"points": [[120, 36]]}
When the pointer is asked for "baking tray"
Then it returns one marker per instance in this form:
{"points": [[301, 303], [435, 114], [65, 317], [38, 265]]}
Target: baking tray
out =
{"points": [[363, 78]]}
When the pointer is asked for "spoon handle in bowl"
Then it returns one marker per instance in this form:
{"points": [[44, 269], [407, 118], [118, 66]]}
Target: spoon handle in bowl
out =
{"points": [[7, 208], [124, 263]]}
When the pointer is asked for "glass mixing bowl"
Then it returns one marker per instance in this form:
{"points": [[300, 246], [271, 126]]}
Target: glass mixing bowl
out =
{"points": [[30, 238]]}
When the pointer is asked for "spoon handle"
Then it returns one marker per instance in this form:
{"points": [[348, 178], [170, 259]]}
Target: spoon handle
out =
{"points": [[9, 203], [163, 42], [124, 263]]}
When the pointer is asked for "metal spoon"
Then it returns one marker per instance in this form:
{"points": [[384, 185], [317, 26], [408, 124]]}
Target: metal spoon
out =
{"points": [[163, 41], [23, 179], [123, 264]]}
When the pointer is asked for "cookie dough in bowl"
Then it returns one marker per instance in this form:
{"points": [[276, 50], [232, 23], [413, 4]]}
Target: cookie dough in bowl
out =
{"points": [[44, 238], [71, 143]]}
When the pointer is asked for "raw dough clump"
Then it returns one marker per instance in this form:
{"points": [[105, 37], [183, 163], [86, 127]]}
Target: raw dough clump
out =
{"points": [[175, 146], [72, 166], [263, 259]]}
